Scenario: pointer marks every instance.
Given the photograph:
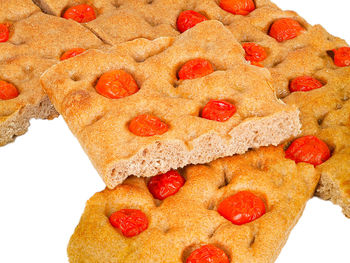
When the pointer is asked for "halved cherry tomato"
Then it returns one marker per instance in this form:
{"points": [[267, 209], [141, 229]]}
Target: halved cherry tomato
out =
{"points": [[342, 56], [131, 222], [80, 13], [195, 68], [308, 149], [238, 7], [4, 33], [116, 84], [254, 53], [208, 254], [304, 83], [162, 186], [188, 19], [218, 110], [147, 125], [285, 29], [242, 208], [72, 53], [7, 91]]}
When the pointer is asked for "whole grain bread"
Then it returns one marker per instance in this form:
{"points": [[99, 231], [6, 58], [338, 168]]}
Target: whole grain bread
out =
{"points": [[123, 20], [100, 123], [325, 113], [36, 43], [189, 219]]}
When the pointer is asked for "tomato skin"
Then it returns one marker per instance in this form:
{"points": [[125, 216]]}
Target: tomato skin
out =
{"points": [[188, 19], [242, 208], [80, 13], [7, 91], [257, 64], [116, 84], [308, 149], [4, 33], [285, 29], [254, 53], [131, 222], [238, 7], [218, 110], [304, 83], [342, 56], [72, 53], [195, 68], [146, 125], [208, 254], [162, 186]]}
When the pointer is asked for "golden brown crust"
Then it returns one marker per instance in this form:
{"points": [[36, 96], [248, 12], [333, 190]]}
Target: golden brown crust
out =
{"points": [[15, 10], [324, 112], [24, 72], [183, 222], [122, 20], [36, 43], [100, 124]]}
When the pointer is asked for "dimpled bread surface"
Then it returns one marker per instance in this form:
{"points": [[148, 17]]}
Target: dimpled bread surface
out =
{"points": [[36, 43], [189, 219], [307, 54], [101, 124]]}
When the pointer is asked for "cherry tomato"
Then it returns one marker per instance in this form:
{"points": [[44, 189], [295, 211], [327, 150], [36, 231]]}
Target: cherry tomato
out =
{"points": [[131, 222], [254, 53], [7, 91], [238, 7], [147, 125], [188, 19], [72, 53], [242, 208], [4, 33], [208, 254], [308, 149], [80, 13], [285, 29], [304, 83], [116, 84], [195, 68], [162, 186], [342, 56], [218, 110]]}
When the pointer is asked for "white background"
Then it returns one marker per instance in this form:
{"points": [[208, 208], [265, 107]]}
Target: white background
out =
{"points": [[46, 178]]}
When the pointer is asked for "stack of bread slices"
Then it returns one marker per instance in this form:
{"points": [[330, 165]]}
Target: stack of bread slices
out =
{"points": [[212, 123]]}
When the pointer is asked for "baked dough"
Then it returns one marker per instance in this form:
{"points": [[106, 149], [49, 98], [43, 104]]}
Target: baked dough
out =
{"points": [[36, 43], [100, 123], [122, 20], [189, 219]]}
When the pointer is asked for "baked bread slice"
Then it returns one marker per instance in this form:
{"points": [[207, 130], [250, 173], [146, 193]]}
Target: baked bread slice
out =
{"points": [[12, 122], [101, 124], [306, 54], [36, 43], [189, 219], [325, 113]]}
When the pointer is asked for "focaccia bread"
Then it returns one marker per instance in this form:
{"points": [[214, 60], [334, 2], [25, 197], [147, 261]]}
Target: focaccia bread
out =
{"points": [[305, 54], [189, 219], [125, 20], [36, 42], [325, 113], [101, 124]]}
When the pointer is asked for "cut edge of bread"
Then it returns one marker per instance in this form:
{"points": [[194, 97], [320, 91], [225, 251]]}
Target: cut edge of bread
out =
{"points": [[17, 124], [328, 189], [161, 157]]}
